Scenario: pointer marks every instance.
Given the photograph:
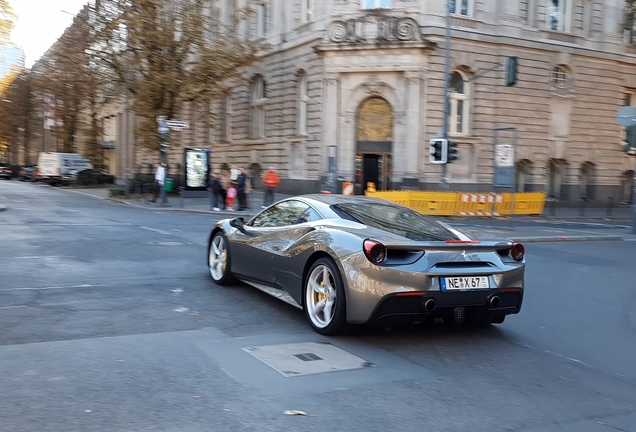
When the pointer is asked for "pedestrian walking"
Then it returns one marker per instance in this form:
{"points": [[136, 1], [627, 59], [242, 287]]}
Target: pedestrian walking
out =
{"points": [[241, 186], [271, 180], [216, 191], [160, 184]]}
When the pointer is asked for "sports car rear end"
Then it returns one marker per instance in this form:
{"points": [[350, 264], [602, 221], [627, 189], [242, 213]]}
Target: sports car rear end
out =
{"points": [[411, 269]]}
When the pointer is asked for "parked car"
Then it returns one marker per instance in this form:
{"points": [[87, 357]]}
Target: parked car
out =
{"points": [[87, 177], [27, 174], [5, 172], [53, 166], [358, 260]]}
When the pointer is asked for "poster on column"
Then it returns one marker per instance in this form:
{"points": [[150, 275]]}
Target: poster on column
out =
{"points": [[197, 168]]}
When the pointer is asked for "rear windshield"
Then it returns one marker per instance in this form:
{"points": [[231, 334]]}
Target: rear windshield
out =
{"points": [[395, 219]]}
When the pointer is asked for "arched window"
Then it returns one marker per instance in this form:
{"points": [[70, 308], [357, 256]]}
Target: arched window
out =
{"points": [[303, 99], [459, 104], [555, 178], [258, 100]]}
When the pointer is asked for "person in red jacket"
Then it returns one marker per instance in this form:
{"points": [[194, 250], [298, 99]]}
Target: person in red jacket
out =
{"points": [[271, 180]]}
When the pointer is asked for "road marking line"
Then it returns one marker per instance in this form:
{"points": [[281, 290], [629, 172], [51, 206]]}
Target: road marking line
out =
{"points": [[157, 230], [51, 288], [13, 307]]}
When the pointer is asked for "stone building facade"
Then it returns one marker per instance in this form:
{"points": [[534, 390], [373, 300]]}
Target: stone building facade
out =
{"points": [[363, 80]]}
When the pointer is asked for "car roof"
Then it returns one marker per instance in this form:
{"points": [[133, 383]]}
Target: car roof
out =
{"points": [[331, 199]]}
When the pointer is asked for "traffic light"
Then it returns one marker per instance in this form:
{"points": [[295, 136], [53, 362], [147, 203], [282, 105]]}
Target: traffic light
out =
{"points": [[452, 152], [511, 71], [438, 151], [630, 140]]}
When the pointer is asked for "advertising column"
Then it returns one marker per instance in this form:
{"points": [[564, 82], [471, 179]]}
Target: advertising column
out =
{"points": [[196, 172]]}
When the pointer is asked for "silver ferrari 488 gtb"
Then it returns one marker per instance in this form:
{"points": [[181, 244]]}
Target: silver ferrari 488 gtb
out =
{"points": [[356, 260]]}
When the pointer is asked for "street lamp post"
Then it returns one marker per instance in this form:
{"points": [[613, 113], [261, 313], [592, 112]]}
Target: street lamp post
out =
{"points": [[444, 184], [126, 113]]}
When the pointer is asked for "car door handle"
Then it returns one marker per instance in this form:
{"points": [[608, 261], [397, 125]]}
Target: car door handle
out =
{"points": [[276, 248]]}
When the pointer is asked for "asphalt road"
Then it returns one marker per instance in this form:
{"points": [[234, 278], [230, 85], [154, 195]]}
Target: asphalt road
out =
{"points": [[109, 322]]}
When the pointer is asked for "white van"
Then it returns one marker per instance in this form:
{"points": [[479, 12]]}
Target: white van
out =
{"points": [[53, 166]]}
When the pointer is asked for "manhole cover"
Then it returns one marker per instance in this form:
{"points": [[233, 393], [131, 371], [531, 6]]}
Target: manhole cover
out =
{"points": [[307, 358]]}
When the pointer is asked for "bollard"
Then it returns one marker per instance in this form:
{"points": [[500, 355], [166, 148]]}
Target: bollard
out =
{"points": [[610, 205]]}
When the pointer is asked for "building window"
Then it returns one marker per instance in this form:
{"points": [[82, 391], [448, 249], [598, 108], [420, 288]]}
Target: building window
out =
{"points": [[560, 76], [303, 99], [458, 7], [459, 104], [307, 12], [558, 15], [258, 108], [226, 118], [374, 4], [262, 20]]}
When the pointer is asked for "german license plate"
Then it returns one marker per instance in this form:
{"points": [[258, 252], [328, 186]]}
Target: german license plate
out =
{"points": [[465, 283]]}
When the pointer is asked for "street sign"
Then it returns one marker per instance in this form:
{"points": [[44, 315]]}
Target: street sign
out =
{"points": [[504, 155], [504, 160], [626, 116], [177, 124]]}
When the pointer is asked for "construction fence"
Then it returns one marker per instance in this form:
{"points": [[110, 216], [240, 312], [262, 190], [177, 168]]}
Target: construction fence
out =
{"points": [[466, 204]]}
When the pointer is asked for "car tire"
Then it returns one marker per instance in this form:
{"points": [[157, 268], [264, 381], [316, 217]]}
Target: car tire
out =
{"points": [[329, 297], [219, 260]]}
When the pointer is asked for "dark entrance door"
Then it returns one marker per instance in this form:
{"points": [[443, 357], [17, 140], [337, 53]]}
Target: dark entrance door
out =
{"points": [[371, 170]]}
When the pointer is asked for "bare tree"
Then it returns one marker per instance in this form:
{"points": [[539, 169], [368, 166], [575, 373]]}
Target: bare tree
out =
{"points": [[15, 110], [168, 52], [7, 21]]}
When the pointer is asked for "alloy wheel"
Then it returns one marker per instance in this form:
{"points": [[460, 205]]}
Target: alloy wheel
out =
{"points": [[321, 296], [218, 258]]}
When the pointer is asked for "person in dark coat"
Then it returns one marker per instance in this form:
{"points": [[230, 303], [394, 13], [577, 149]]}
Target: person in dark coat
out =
{"points": [[216, 189], [241, 186]]}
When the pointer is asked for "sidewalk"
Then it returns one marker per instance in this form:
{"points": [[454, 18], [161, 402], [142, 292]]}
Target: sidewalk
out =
{"points": [[200, 205]]}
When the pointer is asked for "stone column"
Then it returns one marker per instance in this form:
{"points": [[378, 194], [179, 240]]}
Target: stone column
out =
{"points": [[411, 149], [330, 121]]}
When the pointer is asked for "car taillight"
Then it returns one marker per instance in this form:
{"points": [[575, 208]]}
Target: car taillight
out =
{"points": [[517, 252], [374, 251]]}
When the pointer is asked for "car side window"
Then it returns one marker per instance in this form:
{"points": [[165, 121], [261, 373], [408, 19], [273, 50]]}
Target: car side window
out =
{"points": [[309, 215], [281, 214]]}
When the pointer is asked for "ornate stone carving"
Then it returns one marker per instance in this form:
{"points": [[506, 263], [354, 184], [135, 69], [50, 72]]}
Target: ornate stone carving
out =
{"points": [[388, 29], [374, 86], [407, 30], [338, 31], [331, 79]]}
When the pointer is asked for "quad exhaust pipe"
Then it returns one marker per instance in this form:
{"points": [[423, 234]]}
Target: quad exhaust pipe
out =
{"points": [[429, 305], [494, 302]]}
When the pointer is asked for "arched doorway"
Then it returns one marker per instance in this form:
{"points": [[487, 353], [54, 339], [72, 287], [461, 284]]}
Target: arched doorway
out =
{"points": [[374, 145], [524, 175]]}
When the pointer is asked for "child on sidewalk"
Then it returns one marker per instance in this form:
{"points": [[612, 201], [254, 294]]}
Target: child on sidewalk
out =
{"points": [[231, 196]]}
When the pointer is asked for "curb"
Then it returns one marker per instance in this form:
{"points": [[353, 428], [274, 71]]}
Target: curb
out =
{"points": [[181, 210], [559, 239]]}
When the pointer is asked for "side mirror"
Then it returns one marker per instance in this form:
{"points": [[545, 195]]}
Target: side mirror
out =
{"points": [[237, 223]]}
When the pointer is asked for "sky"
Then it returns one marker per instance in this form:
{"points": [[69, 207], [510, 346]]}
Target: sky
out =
{"points": [[40, 23]]}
